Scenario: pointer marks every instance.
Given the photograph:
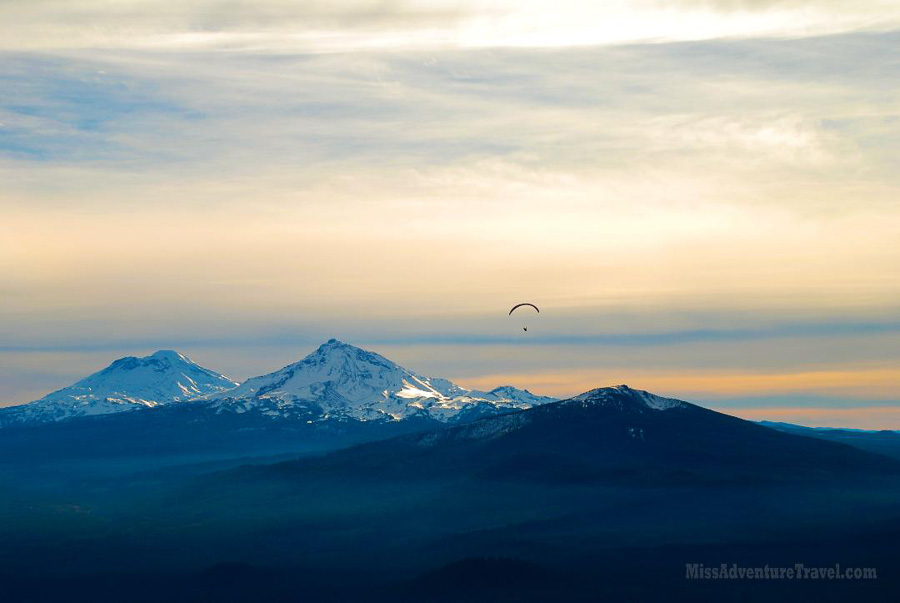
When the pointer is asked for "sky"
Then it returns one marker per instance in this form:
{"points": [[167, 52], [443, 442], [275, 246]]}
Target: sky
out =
{"points": [[701, 195]]}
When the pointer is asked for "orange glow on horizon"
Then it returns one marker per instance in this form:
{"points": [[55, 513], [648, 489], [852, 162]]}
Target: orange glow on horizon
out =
{"points": [[873, 383]]}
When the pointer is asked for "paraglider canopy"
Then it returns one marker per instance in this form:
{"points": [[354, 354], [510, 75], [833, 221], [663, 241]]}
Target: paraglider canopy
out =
{"points": [[520, 305], [524, 304]]}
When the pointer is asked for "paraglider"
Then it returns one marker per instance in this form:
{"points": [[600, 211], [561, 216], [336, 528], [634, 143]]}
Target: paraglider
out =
{"points": [[524, 304]]}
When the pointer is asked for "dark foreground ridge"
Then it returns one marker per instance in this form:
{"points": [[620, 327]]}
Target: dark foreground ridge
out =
{"points": [[605, 496], [610, 435]]}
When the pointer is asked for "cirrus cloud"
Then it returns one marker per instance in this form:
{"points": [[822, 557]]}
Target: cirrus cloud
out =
{"points": [[357, 25]]}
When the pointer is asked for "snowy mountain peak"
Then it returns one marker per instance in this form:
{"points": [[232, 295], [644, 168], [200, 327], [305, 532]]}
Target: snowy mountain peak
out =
{"points": [[335, 351], [128, 383], [159, 361], [333, 346], [342, 381], [170, 355], [625, 397]]}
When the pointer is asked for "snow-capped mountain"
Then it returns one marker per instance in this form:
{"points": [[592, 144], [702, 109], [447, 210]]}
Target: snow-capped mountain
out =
{"points": [[344, 382], [622, 396], [127, 384]]}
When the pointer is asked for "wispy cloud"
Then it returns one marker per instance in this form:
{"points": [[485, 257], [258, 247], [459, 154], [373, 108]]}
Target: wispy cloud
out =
{"points": [[357, 25]]}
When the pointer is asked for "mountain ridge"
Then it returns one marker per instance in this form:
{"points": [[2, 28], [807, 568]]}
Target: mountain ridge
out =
{"points": [[616, 435]]}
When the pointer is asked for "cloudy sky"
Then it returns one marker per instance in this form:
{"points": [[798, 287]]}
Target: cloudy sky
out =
{"points": [[703, 196]]}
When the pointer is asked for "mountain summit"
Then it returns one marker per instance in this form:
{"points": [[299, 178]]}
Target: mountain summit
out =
{"points": [[344, 382], [623, 397], [129, 383]]}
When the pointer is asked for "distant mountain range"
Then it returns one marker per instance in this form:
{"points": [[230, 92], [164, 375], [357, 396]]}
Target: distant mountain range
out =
{"points": [[340, 395], [337, 395], [883, 441], [338, 381]]}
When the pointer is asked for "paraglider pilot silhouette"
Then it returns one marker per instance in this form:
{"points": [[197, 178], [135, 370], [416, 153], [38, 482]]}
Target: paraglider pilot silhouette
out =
{"points": [[519, 306]]}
